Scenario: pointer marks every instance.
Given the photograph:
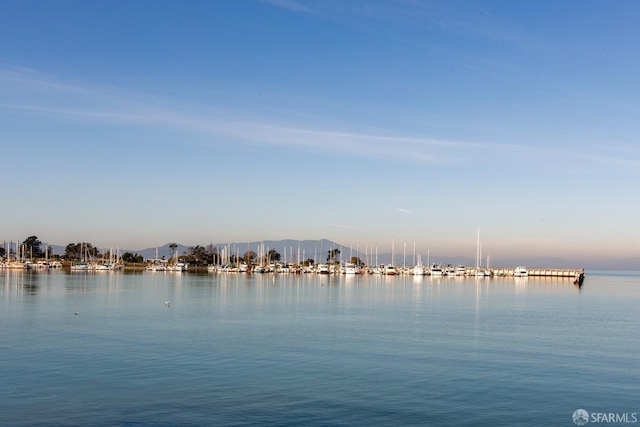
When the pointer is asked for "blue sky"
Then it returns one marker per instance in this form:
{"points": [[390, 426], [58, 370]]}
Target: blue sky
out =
{"points": [[365, 122]]}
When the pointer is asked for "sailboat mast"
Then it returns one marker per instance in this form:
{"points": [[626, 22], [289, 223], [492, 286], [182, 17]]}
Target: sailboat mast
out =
{"points": [[478, 250], [404, 254], [477, 244], [393, 248], [414, 253]]}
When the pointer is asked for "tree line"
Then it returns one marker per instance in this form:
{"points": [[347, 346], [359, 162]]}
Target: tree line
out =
{"points": [[31, 247]]}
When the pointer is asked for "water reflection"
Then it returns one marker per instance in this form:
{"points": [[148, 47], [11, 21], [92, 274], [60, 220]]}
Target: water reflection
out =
{"points": [[23, 282], [224, 290], [93, 281]]}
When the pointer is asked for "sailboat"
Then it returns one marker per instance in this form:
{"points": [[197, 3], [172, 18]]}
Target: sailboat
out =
{"points": [[157, 264], [418, 269], [479, 271], [82, 264], [176, 265]]}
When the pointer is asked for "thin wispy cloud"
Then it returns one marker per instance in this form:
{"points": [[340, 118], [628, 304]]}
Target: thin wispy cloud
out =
{"points": [[468, 20], [404, 211], [117, 106], [631, 162], [363, 145], [35, 80], [402, 18], [292, 5]]}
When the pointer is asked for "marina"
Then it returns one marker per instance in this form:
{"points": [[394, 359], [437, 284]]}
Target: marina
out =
{"points": [[417, 270], [227, 259], [89, 260], [322, 268]]}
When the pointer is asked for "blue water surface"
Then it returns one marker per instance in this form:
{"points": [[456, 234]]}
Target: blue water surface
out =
{"points": [[291, 350]]}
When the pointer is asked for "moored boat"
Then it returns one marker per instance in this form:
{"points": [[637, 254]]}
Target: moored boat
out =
{"points": [[436, 270], [449, 270], [390, 270], [322, 268], [419, 270], [80, 266], [351, 268], [520, 271], [461, 270]]}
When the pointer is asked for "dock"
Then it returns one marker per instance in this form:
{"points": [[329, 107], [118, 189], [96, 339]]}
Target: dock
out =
{"points": [[542, 272]]}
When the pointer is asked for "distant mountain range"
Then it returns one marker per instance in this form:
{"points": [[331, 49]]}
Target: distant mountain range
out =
{"points": [[318, 249]]}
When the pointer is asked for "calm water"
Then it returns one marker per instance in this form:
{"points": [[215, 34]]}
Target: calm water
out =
{"points": [[310, 350]]}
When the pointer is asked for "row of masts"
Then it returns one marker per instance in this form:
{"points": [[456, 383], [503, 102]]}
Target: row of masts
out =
{"points": [[91, 262], [20, 252], [231, 255], [22, 257]]}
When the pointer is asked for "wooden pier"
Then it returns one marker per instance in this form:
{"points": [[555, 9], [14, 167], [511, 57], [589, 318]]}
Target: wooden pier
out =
{"points": [[542, 272]]}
